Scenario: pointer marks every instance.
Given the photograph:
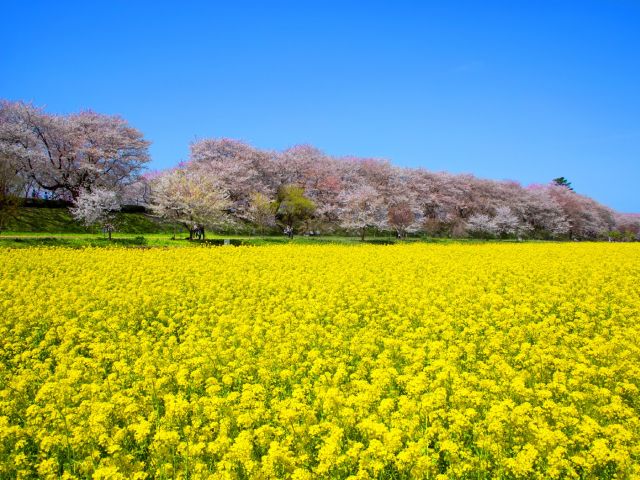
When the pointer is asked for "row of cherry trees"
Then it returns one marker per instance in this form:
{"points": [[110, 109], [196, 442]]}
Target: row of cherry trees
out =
{"points": [[229, 182], [97, 162]]}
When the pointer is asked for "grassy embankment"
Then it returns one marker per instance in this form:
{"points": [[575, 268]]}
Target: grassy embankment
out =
{"points": [[55, 227]]}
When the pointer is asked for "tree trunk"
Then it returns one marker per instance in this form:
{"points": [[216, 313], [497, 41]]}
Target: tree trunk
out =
{"points": [[109, 234], [362, 232], [188, 227]]}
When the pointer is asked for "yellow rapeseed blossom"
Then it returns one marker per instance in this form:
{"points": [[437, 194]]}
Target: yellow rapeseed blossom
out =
{"points": [[305, 362]]}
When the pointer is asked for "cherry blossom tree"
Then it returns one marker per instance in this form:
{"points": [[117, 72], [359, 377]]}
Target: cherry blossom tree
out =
{"points": [[545, 216], [68, 154], [586, 218], [362, 208], [187, 197], [138, 192], [97, 206], [240, 169], [402, 217], [443, 201], [379, 174], [301, 165], [505, 222], [319, 175], [480, 225], [627, 226]]}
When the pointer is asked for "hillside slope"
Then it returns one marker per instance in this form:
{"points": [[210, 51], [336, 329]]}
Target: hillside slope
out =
{"points": [[59, 220]]}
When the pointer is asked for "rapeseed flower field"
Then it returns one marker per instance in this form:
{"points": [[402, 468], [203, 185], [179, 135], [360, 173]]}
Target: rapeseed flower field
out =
{"points": [[301, 362]]}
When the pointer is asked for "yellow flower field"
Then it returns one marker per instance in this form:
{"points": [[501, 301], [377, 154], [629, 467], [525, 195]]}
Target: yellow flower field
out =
{"points": [[414, 361]]}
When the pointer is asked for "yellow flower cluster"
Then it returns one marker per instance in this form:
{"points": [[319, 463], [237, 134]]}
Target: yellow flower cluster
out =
{"points": [[301, 362]]}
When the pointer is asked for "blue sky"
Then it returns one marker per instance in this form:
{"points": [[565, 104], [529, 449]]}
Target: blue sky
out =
{"points": [[526, 90]]}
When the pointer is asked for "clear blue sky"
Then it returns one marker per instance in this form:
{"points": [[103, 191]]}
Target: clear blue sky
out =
{"points": [[524, 90]]}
